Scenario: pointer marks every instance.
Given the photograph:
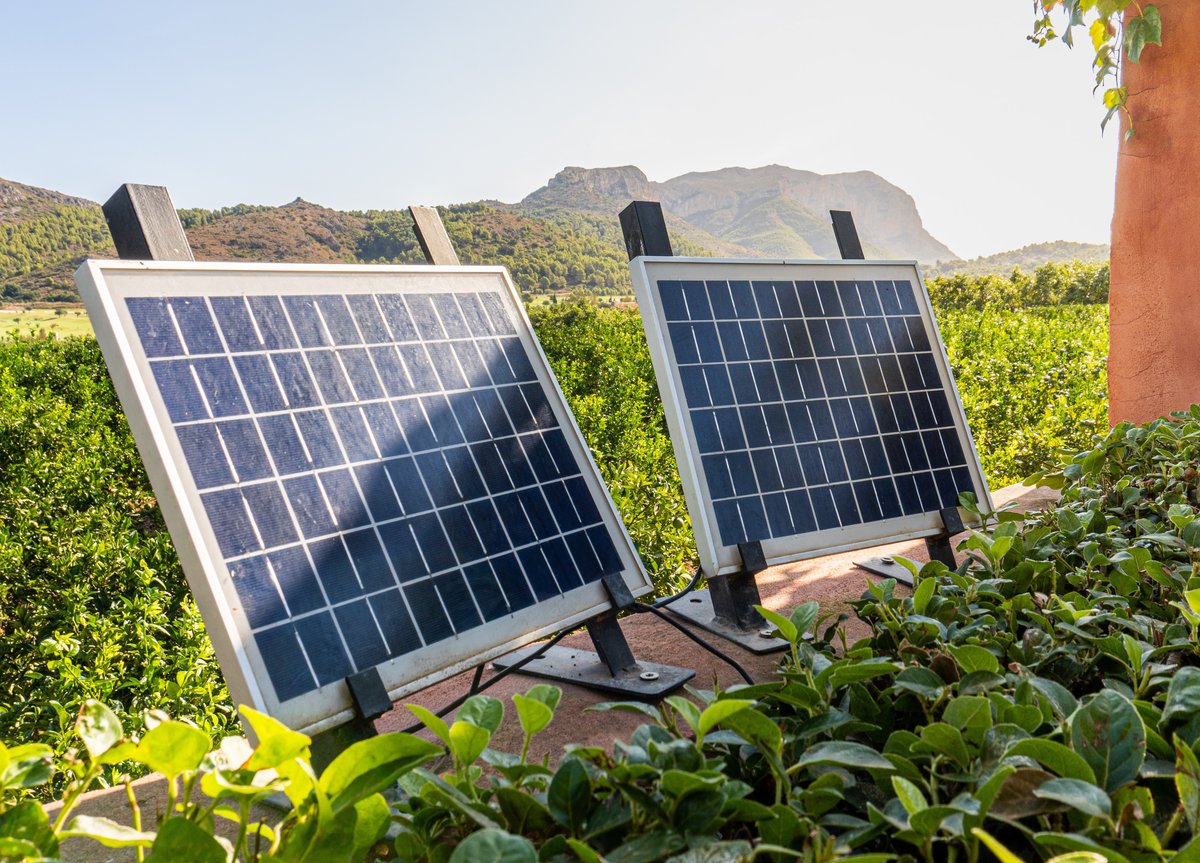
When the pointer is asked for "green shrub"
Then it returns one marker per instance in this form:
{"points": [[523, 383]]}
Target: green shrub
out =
{"points": [[92, 600], [1040, 701]]}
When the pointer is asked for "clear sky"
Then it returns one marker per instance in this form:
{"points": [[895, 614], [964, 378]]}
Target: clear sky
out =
{"points": [[383, 103]]}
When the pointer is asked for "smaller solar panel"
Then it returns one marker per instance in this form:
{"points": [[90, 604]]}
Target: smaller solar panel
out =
{"points": [[810, 403], [361, 467]]}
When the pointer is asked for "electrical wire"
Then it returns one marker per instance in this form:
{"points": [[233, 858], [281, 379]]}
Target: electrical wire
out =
{"points": [[669, 616]]}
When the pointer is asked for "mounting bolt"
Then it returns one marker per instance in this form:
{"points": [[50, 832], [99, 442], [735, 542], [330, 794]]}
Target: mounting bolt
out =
{"points": [[769, 632], [649, 675], [886, 560]]}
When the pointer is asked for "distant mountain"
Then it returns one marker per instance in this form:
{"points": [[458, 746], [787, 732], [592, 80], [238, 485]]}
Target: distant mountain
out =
{"points": [[43, 237], [1028, 258], [20, 203], [772, 211], [561, 238], [604, 192]]}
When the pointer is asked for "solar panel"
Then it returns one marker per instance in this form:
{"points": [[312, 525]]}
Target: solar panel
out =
{"points": [[810, 403], [360, 467]]}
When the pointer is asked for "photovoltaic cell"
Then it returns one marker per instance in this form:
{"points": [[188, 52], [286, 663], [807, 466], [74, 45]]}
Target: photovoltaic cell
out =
{"points": [[812, 404], [381, 471]]}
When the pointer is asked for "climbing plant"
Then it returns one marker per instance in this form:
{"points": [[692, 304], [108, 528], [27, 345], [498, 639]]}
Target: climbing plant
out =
{"points": [[1118, 29]]}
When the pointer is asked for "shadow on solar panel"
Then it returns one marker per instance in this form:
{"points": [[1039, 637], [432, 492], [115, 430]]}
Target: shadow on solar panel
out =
{"points": [[361, 467]]}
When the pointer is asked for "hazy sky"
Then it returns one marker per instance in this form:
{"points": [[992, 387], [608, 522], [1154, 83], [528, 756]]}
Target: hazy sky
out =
{"points": [[382, 104]]}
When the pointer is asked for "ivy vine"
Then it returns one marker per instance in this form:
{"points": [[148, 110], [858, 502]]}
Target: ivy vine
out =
{"points": [[1113, 36]]}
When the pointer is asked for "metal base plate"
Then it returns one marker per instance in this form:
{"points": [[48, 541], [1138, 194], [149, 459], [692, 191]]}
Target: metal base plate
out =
{"points": [[647, 680], [697, 607], [887, 568]]}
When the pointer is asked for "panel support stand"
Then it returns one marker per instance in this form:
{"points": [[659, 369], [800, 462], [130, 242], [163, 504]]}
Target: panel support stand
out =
{"points": [[939, 546], [612, 667], [726, 608]]}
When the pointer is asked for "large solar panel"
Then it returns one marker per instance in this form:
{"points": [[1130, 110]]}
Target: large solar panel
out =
{"points": [[810, 403], [360, 467]]}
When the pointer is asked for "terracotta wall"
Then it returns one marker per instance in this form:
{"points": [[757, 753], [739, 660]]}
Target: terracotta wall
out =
{"points": [[1154, 354]]}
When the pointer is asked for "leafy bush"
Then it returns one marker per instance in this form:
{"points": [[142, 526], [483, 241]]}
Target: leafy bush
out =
{"points": [[1040, 699], [1032, 383], [92, 600]]}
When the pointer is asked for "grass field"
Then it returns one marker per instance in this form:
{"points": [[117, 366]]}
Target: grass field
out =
{"points": [[34, 321]]}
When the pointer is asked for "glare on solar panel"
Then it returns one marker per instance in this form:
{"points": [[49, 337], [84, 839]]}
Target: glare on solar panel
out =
{"points": [[360, 467], [810, 403]]}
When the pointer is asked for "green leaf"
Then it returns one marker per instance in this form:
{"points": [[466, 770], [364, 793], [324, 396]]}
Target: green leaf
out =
{"points": [[1187, 781], [535, 709], [803, 616], [787, 629], [1108, 732], [26, 824], [108, 833], [972, 714], [172, 747], [847, 671], [431, 721], [757, 729], [494, 846], [686, 708], [718, 712], [845, 754], [483, 711], [972, 657], [910, 795], [630, 707], [523, 813], [27, 766], [276, 742], [373, 816], [369, 766], [1062, 702], [947, 740], [923, 594], [920, 681], [181, 841], [569, 797], [99, 728], [1181, 713], [467, 742], [533, 714], [1083, 796], [1054, 756]]}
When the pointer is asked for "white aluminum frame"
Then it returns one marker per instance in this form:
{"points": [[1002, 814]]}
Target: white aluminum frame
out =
{"points": [[715, 557], [105, 285]]}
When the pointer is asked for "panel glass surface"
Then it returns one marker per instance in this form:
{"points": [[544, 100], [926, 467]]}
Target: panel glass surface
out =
{"points": [[810, 406], [383, 471]]}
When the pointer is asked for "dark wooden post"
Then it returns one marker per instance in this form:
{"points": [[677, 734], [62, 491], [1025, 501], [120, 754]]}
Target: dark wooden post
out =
{"points": [[145, 226], [847, 235], [431, 234]]}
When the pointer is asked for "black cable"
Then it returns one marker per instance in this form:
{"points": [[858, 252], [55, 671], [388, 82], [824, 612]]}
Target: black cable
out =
{"points": [[669, 618], [476, 687], [691, 585], [657, 608]]}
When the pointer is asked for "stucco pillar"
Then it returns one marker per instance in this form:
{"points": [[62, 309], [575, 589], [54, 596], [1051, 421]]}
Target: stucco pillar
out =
{"points": [[1154, 347]]}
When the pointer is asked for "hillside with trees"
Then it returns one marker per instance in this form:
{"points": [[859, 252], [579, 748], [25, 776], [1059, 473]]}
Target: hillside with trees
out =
{"points": [[563, 239]]}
